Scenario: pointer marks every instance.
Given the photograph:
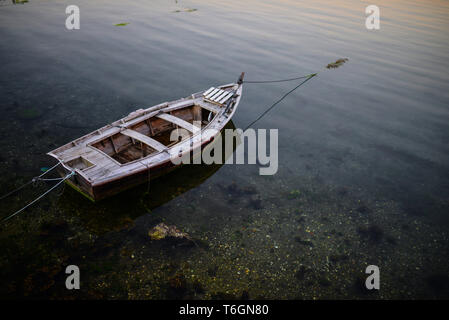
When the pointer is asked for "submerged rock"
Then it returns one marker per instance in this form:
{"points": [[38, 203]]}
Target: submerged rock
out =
{"points": [[162, 231]]}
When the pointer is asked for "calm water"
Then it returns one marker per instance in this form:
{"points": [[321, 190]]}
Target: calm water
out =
{"points": [[364, 156]]}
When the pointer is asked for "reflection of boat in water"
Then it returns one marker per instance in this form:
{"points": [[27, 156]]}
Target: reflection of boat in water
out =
{"points": [[139, 147], [123, 208]]}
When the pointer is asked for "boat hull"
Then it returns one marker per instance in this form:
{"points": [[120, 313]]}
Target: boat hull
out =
{"points": [[113, 187]]}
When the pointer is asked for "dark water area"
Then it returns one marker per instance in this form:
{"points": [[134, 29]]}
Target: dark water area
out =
{"points": [[363, 173]]}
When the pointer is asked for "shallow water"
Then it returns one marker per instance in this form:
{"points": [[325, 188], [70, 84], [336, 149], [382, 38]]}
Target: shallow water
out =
{"points": [[363, 155]]}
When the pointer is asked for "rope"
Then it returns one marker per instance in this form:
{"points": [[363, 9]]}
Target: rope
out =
{"points": [[310, 76], [47, 171], [40, 197], [149, 177], [52, 179], [31, 181], [15, 190], [273, 81]]}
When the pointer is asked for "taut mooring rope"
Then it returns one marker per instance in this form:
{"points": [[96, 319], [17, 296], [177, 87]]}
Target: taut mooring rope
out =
{"points": [[273, 81], [307, 78], [40, 197], [31, 181]]}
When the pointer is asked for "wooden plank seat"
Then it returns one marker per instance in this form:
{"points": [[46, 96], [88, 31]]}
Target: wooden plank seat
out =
{"points": [[218, 96], [179, 122], [144, 139]]}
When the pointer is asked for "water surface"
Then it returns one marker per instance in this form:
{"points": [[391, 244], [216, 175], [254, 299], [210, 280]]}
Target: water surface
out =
{"points": [[363, 168]]}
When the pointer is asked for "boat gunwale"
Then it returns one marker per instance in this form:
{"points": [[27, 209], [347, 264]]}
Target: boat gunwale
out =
{"points": [[154, 108], [144, 167]]}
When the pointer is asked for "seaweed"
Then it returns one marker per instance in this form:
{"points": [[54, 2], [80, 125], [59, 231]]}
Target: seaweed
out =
{"points": [[185, 10], [337, 63]]}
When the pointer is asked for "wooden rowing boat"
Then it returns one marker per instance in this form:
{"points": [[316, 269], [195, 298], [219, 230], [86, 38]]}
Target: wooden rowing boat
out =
{"points": [[136, 148]]}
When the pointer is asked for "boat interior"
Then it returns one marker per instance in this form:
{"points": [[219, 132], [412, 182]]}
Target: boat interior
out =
{"points": [[152, 135]]}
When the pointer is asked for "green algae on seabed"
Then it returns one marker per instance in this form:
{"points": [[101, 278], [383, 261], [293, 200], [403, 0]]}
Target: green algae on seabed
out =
{"points": [[294, 194], [28, 113], [337, 63], [121, 24], [19, 1]]}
